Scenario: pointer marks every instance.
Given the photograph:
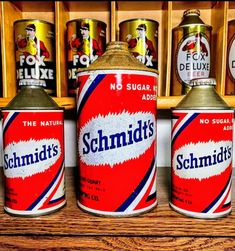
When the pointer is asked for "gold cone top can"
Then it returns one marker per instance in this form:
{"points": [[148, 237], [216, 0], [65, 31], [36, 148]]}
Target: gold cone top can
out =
{"points": [[190, 52], [116, 125], [86, 41], [35, 52], [142, 38], [230, 68], [201, 153]]}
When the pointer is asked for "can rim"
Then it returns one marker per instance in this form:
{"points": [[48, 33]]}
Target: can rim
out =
{"points": [[148, 70], [84, 20], [139, 19], [33, 20]]}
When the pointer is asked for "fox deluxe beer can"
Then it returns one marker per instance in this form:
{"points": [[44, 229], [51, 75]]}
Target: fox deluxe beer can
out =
{"points": [[117, 134], [35, 53], [86, 41], [230, 69], [190, 52], [33, 152], [142, 38], [202, 149]]}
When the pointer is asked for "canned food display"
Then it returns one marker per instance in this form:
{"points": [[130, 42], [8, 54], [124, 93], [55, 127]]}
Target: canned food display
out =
{"points": [[191, 55], [35, 52], [202, 143], [116, 128], [142, 38], [86, 40]]}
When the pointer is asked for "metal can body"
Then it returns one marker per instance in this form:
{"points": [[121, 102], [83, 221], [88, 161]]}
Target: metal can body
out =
{"points": [[142, 38], [202, 141], [35, 54], [190, 53], [230, 69], [86, 41], [33, 161], [117, 137]]}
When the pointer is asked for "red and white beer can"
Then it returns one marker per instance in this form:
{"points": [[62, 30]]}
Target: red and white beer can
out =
{"points": [[202, 141], [33, 161], [117, 138], [33, 153]]}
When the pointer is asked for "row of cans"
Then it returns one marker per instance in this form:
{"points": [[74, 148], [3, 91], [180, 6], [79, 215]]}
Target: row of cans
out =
{"points": [[86, 41], [117, 144]]}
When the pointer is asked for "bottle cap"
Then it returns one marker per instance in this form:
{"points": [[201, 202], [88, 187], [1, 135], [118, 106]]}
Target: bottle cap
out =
{"points": [[202, 81], [192, 12], [35, 82]]}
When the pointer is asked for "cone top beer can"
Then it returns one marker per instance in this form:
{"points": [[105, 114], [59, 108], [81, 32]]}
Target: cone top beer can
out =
{"points": [[202, 148], [117, 134], [190, 52], [230, 69], [34, 158], [35, 53], [86, 41], [142, 37]]}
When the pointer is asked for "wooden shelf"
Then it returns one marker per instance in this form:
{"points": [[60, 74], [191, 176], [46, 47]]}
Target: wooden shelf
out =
{"points": [[160, 229], [163, 103]]}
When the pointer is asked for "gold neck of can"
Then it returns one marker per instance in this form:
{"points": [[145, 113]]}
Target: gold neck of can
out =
{"points": [[190, 17], [117, 46]]}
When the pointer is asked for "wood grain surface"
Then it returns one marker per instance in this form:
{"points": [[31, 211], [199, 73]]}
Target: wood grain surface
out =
{"points": [[72, 229]]}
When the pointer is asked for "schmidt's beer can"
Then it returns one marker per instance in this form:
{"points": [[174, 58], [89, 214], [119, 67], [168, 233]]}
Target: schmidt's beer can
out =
{"points": [[35, 54], [190, 52], [33, 152], [117, 134], [142, 38], [202, 149], [86, 41], [230, 69]]}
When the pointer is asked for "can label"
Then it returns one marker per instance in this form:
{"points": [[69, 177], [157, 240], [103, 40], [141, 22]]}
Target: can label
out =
{"points": [[142, 39], [33, 161], [202, 162], [193, 57], [86, 42], [35, 43], [117, 141]]}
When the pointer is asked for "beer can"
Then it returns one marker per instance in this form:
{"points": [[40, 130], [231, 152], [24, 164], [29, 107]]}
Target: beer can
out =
{"points": [[202, 149], [116, 130], [190, 52], [33, 152], [86, 41], [142, 37], [230, 69], [35, 52]]}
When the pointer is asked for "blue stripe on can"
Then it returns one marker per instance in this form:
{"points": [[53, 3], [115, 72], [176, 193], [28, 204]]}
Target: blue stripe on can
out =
{"points": [[218, 197], [13, 116], [136, 192], [187, 122], [89, 91], [31, 207]]}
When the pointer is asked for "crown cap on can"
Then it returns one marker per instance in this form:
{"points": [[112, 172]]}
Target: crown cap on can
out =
{"points": [[203, 82], [34, 82], [192, 12]]}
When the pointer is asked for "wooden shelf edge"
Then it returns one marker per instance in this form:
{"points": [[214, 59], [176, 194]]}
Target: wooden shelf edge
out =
{"points": [[163, 103]]}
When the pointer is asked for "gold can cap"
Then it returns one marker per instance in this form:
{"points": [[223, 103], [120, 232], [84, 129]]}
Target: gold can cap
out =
{"points": [[202, 81], [191, 12], [34, 82]]}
